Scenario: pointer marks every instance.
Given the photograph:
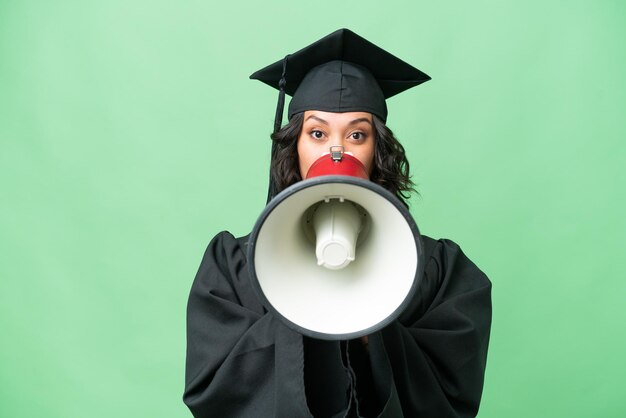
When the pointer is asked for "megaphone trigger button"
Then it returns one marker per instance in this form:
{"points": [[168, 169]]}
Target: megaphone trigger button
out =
{"points": [[336, 152]]}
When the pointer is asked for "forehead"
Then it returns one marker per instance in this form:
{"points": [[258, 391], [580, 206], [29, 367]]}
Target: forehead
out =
{"points": [[312, 116]]}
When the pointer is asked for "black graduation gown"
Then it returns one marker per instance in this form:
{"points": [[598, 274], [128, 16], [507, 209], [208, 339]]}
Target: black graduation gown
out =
{"points": [[243, 362]]}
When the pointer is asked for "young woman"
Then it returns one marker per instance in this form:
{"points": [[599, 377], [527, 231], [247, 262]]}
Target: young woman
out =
{"points": [[429, 362]]}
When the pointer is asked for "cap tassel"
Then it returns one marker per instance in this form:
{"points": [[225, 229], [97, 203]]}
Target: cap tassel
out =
{"points": [[278, 119]]}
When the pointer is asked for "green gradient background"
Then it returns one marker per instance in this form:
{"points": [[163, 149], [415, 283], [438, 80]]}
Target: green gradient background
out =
{"points": [[130, 135]]}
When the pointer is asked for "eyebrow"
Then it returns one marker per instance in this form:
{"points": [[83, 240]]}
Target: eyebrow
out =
{"points": [[359, 120], [320, 120], [353, 122]]}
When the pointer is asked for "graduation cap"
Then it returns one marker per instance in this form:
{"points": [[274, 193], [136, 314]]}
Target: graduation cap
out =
{"points": [[341, 72]]}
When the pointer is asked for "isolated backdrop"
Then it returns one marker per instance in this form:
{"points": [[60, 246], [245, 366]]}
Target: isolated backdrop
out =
{"points": [[130, 135]]}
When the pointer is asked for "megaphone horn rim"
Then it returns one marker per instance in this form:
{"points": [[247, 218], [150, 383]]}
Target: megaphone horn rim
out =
{"points": [[321, 180]]}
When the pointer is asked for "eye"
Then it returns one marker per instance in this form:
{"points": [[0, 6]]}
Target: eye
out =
{"points": [[317, 134], [357, 136]]}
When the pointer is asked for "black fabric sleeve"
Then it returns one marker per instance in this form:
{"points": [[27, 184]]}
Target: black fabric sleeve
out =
{"points": [[436, 351], [240, 361]]}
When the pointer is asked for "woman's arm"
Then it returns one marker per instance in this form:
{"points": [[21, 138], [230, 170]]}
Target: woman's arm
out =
{"points": [[434, 356], [238, 356]]}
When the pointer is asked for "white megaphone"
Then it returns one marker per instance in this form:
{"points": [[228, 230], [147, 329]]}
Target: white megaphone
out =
{"points": [[335, 256]]}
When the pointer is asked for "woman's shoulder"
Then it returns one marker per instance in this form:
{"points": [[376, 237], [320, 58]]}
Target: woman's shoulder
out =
{"points": [[448, 274], [225, 253], [447, 264], [226, 240], [440, 243], [445, 253]]}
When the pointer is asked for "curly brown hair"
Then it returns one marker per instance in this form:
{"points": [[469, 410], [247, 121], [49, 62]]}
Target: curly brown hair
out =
{"points": [[391, 167]]}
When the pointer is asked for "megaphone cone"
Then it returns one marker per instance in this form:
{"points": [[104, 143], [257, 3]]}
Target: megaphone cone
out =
{"points": [[335, 257]]}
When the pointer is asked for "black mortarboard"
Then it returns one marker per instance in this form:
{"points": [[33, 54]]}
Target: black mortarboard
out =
{"points": [[341, 72]]}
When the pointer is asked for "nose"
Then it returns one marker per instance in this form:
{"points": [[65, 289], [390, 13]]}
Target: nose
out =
{"points": [[337, 149], [336, 141], [339, 141]]}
